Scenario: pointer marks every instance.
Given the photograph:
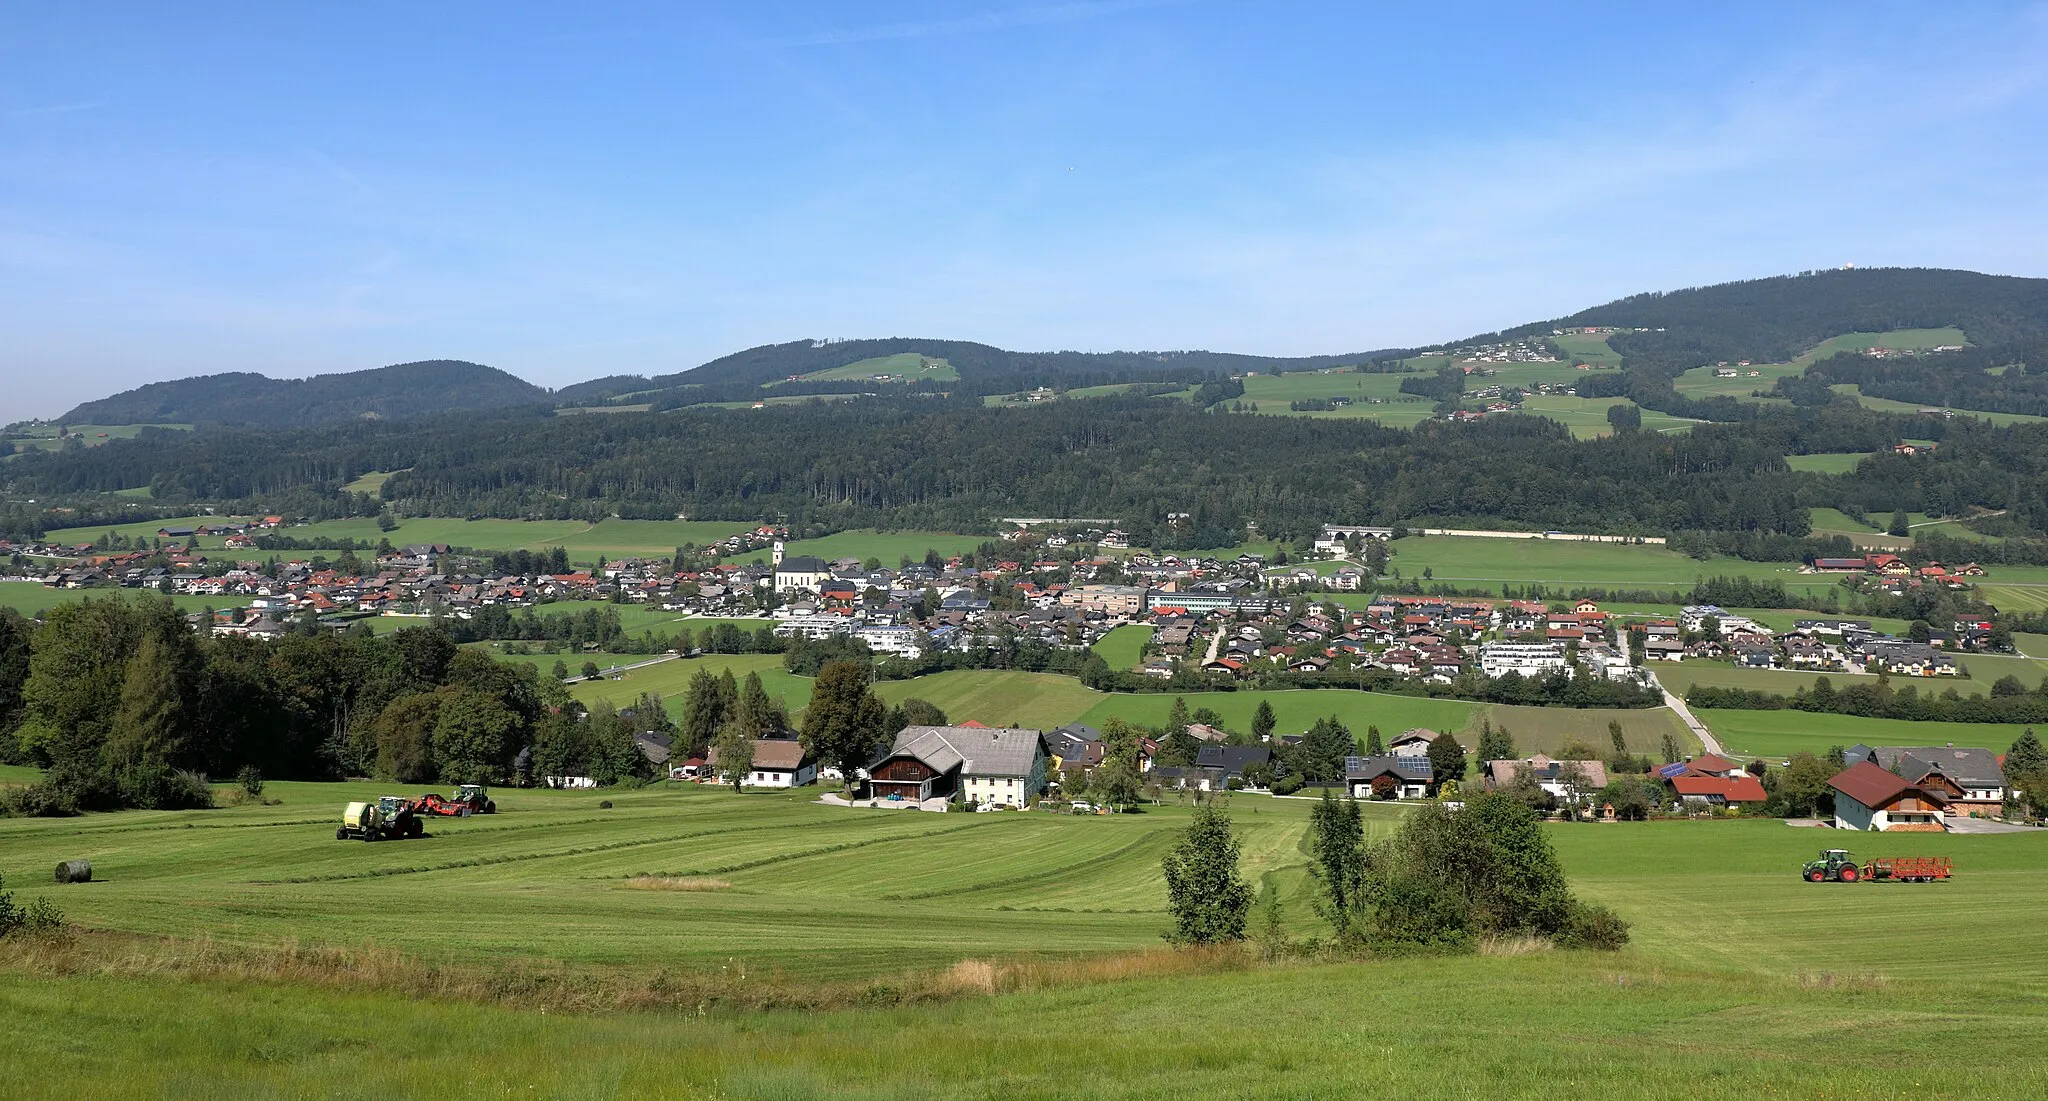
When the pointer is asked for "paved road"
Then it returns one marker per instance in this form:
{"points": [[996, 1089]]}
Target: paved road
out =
{"points": [[1215, 645], [1707, 740]]}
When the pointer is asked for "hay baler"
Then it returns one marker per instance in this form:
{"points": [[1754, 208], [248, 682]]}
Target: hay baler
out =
{"points": [[390, 817]]}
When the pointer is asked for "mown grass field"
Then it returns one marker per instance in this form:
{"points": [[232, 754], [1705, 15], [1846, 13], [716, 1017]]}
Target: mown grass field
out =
{"points": [[1887, 405], [909, 366], [612, 538], [1779, 734], [1739, 972], [1833, 462], [1587, 417], [1608, 565], [1123, 646], [887, 546], [32, 598]]}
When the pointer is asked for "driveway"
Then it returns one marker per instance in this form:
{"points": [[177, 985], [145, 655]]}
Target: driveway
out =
{"points": [[1984, 825]]}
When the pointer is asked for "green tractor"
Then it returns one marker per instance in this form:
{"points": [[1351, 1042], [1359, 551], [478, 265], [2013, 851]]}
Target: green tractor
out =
{"points": [[390, 817], [1834, 866]]}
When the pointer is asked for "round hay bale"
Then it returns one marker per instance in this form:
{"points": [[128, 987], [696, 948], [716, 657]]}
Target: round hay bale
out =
{"points": [[74, 871]]}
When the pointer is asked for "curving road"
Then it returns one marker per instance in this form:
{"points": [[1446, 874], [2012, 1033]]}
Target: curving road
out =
{"points": [[1707, 740]]}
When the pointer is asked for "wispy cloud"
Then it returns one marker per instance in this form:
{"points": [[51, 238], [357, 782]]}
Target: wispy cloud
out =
{"points": [[54, 109], [978, 23]]}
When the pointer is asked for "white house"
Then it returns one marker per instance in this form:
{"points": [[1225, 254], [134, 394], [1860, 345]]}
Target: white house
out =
{"points": [[778, 763], [1530, 659]]}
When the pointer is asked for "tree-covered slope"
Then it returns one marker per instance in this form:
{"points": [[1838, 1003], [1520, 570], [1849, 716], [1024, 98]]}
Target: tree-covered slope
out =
{"points": [[242, 398]]}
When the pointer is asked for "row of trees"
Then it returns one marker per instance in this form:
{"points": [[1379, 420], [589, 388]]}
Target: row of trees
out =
{"points": [[117, 698], [2010, 701]]}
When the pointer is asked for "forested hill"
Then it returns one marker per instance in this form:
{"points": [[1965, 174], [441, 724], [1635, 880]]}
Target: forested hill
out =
{"points": [[243, 398], [980, 367]]}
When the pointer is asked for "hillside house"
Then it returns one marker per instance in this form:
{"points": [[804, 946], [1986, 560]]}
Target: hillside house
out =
{"points": [[1412, 743]]}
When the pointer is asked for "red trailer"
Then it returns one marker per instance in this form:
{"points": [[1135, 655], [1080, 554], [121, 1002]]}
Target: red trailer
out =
{"points": [[1908, 869]]}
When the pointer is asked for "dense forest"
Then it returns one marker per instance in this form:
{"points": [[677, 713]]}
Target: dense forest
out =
{"points": [[955, 465], [2003, 378], [242, 398]]}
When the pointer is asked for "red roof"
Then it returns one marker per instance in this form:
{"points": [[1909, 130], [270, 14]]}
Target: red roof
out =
{"points": [[1869, 784], [972, 724], [1739, 789], [1712, 762]]}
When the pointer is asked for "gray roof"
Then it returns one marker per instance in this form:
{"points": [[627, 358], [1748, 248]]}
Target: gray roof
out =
{"points": [[976, 751], [802, 563], [1233, 759], [1968, 766], [1407, 768]]}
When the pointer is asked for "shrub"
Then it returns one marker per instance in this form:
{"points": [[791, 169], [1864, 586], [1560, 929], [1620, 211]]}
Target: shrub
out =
{"points": [[1595, 927], [251, 779], [604, 804], [1288, 784], [40, 917], [154, 787]]}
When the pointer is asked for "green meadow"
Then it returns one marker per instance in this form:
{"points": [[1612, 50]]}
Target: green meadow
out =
{"points": [[909, 366], [244, 952], [583, 542], [1779, 734], [32, 598], [1123, 646], [889, 547], [1833, 462], [1462, 559]]}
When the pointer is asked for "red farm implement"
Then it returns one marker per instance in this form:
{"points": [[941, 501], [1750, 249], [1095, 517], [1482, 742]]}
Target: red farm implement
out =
{"points": [[1908, 869]]}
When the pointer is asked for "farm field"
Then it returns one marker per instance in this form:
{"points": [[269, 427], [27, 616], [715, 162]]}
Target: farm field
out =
{"points": [[888, 546], [1887, 405], [1609, 565], [94, 434], [1588, 348], [32, 598], [611, 538], [1711, 999], [1833, 462], [370, 483], [670, 678], [909, 366], [1779, 734], [1123, 646], [1587, 417], [1681, 676]]}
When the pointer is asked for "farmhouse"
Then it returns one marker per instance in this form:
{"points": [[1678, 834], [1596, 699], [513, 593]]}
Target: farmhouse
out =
{"points": [[1550, 775], [1870, 797], [1976, 775], [778, 763], [985, 765]]}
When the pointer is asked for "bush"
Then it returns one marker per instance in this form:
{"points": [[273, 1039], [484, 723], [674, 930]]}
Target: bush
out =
{"points": [[1288, 784], [43, 800], [40, 917], [154, 787], [251, 779], [1594, 927], [604, 804]]}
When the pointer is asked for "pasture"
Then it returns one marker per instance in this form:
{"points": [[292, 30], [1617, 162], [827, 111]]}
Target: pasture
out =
{"points": [[1123, 646], [901, 367], [1587, 417], [1832, 462], [1738, 971], [889, 547], [32, 598], [583, 541], [1779, 734], [1463, 559]]}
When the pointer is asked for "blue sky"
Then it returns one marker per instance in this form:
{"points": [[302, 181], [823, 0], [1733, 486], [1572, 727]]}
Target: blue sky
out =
{"points": [[572, 191]]}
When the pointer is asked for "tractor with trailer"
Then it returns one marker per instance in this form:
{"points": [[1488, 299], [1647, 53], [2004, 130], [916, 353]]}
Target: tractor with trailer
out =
{"points": [[469, 799], [391, 817], [1836, 866]]}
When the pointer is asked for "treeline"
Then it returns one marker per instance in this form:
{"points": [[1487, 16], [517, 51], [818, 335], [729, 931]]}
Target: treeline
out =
{"points": [[2009, 701], [125, 705]]}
